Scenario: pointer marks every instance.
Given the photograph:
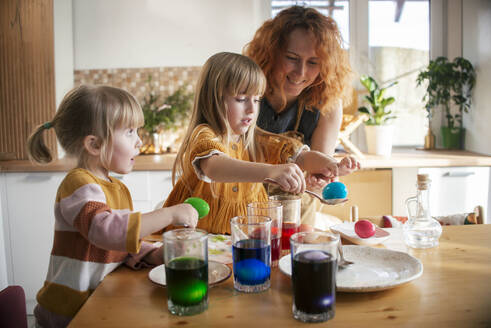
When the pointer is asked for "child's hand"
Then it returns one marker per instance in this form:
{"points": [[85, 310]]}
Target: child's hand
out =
{"points": [[185, 215], [288, 176], [155, 257], [347, 165]]}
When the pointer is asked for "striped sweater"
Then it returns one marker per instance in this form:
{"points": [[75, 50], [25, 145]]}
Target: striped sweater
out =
{"points": [[95, 231]]}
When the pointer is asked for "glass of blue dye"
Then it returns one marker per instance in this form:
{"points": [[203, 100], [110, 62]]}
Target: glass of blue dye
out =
{"points": [[186, 270], [314, 265], [251, 252]]}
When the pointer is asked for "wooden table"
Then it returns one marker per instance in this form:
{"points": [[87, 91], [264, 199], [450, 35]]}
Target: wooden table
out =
{"points": [[454, 291]]}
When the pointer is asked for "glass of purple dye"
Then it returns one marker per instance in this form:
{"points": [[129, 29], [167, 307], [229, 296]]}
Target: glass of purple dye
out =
{"points": [[314, 265]]}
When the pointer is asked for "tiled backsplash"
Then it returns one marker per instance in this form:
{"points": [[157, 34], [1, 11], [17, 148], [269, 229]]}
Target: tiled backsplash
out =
{"points": [[165, 80]]}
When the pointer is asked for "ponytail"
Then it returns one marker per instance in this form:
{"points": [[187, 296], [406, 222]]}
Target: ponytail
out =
{"points": [[36, 147]]}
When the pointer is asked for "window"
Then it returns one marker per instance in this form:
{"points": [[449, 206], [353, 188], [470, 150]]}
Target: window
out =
{"points": [[396, 47], [399, 44], [338, 10]]}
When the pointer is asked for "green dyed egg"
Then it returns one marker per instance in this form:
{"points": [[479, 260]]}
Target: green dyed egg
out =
{"points": [[200, 205], [191, 293]]}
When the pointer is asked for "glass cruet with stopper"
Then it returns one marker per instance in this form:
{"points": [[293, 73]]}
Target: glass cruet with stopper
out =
{"points": [[421, 230]]}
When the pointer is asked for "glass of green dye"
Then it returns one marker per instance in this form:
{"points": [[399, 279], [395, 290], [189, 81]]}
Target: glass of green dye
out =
{"points": [[186, 270]]}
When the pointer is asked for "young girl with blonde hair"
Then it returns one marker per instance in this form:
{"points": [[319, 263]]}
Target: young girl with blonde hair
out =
{"points": [[224, 158], [96, 229]]}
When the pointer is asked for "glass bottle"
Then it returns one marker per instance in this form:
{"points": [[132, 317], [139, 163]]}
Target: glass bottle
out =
{"points": [[421, 230]]}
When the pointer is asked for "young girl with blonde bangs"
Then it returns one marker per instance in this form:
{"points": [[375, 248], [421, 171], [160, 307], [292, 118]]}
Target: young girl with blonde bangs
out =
{"points": [[224, 158], [96, 229]]}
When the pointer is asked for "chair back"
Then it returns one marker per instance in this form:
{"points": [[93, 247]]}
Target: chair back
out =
{"points": [[13, 307]]}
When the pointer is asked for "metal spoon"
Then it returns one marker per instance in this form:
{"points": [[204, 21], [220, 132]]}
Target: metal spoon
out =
{"points": [[334, 201], [342, 263]]}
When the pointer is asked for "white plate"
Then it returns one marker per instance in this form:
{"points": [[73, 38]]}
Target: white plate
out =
{"points": [[347, 230], [220, 248], [217, 272], [374, 269]]}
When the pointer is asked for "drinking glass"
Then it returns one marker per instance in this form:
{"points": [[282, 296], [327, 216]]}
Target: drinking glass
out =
{"points": [[273, 210], [314, 265], [186, 270], [292, 204], [251, 252]]}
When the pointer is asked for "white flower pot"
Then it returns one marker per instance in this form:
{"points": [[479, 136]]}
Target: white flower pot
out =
{"points": [[379, 139]]}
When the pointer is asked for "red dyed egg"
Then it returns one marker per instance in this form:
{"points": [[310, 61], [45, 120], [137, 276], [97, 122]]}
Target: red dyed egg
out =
{"points": [[305, 228], [364, 228]]}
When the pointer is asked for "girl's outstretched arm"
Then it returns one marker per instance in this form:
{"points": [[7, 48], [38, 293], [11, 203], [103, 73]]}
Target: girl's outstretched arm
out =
{"points": [[181, 214], [222, 168]]}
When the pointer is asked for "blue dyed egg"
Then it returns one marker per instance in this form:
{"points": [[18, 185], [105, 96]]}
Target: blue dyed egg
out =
{"points": [[335, 190], [251, 272]]}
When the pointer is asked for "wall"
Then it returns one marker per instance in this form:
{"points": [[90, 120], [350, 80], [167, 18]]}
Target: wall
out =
{"points": [[154, 33], [4, 239], [63, 32], [477, 48]]}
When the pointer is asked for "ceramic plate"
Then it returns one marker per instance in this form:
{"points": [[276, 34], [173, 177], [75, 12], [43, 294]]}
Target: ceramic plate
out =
{"points": [[220, 248], [375, 269], [347, 230], [217, 272]]}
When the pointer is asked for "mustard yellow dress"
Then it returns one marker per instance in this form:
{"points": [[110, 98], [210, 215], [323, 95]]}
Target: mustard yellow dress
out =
{"points": [[226, 200]]}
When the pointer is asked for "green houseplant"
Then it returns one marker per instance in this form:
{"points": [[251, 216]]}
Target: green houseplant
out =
{"points": [[378, 131], [377, 113], [163, 116], [449, 82]]}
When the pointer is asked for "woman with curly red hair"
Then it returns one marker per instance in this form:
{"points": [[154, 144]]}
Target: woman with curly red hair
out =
{"points": [[309, 78]]}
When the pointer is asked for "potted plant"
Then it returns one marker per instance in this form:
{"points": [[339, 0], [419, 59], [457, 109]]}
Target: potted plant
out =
{"points": [[162, 119], [449, 82], [377, 128]]}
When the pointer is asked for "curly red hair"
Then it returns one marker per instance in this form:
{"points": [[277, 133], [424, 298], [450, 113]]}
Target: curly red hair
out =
{"points": [[335, 76]]}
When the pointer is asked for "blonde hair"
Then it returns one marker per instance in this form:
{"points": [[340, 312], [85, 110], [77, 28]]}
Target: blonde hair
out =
{"points": [[335, 76], [87, 110], [222, 75]]}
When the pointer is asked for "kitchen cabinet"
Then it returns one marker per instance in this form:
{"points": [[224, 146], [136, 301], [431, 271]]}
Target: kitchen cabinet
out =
{"points": [[27, 221], [369, 190], [453, 190]]}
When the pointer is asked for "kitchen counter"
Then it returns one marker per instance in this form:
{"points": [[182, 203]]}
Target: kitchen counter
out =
{"points": [[401, 157]]}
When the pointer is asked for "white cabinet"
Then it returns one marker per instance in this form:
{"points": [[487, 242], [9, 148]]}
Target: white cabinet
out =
{"points": [[147, 188], [27, 221], [453, 189]]}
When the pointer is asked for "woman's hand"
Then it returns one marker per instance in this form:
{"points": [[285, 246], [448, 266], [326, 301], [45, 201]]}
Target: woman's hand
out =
{"points": [[288, 176], [316, 182], [319, 165], [347, 165]]}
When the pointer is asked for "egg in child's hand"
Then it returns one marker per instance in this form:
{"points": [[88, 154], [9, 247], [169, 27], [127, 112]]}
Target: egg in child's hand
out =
{"points": [[364, 228], [335, 190], [200, 205]]}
